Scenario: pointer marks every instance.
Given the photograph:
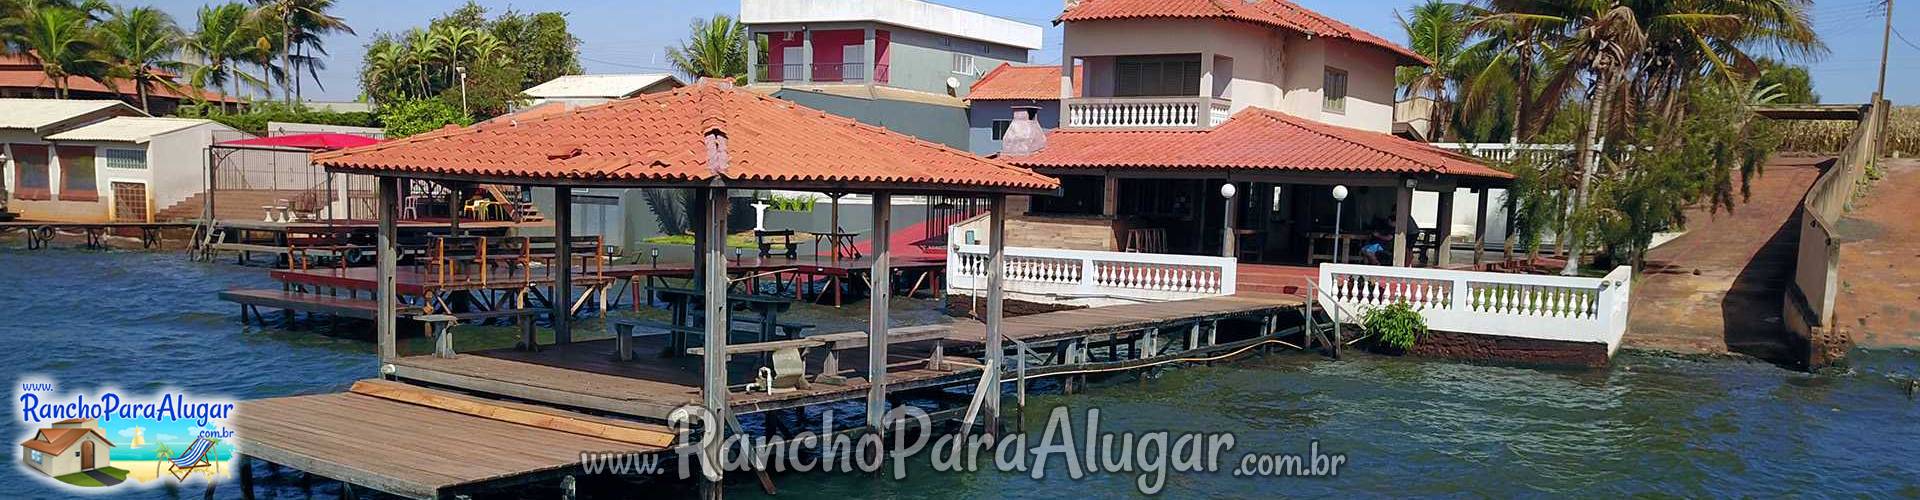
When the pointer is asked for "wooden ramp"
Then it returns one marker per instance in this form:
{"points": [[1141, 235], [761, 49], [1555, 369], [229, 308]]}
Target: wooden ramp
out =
{"points": [[423, 443]]}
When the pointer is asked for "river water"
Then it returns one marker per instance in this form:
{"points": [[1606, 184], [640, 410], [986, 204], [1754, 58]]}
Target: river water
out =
{"points": [[1649, 425]]}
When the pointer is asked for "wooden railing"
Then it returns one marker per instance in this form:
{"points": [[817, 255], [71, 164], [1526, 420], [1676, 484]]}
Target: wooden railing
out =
{"points": [[1189, 112], [1046, 273], [1513, 305]]}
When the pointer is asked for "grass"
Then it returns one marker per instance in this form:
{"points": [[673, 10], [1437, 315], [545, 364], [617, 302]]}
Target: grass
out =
{"points": [[82, 479], [735, 240]]}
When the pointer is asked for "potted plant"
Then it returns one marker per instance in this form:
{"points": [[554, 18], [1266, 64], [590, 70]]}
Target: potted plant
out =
{"points": [[1396, 328]]}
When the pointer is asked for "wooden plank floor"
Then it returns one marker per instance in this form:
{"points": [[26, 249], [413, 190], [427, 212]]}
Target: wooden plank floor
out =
{"points": [[1076, 322], [411, 280], [586, 375], [404, 449]]}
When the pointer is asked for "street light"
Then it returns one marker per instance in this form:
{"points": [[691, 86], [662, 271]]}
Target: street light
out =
{"points": [[1339, 243], [462, 70], [1226, 220]]}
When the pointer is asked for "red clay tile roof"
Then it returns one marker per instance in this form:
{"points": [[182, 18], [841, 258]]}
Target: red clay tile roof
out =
{"points": [[1254, 139], [56, 440], [1278, 13], [1009, 82], [661, 140], [34, 78]]}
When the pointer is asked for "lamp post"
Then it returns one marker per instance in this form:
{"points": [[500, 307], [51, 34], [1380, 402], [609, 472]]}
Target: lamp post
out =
{"points": [[462, 70], [655, 254], [1339, 243], [1227, 241]]}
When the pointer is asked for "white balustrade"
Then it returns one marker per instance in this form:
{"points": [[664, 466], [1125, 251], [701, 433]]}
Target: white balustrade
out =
{"points": [[1042, 273], [1146, 112], [1515, 305]]}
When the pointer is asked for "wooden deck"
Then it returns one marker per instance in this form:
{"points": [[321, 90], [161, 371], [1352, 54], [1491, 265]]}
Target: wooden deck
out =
{"points": [[1103, 320], [407, 449], [414, 281], [585, 374]]}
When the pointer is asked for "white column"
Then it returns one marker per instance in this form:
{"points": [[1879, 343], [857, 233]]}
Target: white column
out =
{"points": [[1066, 87], [881, 279], [806, 55], [872, 63], [387, 189], [753, 57]]}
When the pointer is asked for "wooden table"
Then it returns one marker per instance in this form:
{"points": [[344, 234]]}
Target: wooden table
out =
{"points": [[1351, 242], [681, 300], [841, 244]]}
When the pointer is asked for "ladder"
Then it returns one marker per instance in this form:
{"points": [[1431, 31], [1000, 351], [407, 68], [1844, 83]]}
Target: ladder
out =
{"points": [[206, 234]]}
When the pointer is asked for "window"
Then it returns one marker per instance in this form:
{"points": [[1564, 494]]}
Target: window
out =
{"points": [[77, 179], [1000, 128], [30, 170], [1147, 76], [123, 158], [37, 457], [1079, 195], [963, 64], [1335, 91]]}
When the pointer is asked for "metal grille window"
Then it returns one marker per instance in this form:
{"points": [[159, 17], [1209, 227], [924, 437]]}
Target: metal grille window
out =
{"points": [[1157, 76], [963, 64], [1000, 129], [1335, 98], [135, 159]]}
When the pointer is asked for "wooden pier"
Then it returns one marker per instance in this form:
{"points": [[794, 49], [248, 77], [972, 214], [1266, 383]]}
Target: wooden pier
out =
{"points": [[40, 234]]}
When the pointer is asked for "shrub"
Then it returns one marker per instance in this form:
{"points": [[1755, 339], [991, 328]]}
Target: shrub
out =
{"points": [[417, 116], [785, 203], [255, 120], [1397, 325]]}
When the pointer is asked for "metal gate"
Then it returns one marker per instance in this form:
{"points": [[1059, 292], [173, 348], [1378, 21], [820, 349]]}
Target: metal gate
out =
{"points": [[130, 202]]}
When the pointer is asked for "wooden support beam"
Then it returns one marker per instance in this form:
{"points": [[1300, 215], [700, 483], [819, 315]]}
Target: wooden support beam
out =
{"points": [[1443, 224], [996, 300], [877, 313], [562, 299], [1480, 226], [1402, 222], [387, 191], [711, 230]]}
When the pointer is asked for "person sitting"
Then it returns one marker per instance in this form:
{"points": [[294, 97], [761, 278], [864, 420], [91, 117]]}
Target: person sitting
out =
{"points": [[1378, 248]]}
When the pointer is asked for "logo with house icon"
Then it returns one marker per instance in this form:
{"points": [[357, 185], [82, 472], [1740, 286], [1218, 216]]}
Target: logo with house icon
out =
{"points": [[73, 451]]}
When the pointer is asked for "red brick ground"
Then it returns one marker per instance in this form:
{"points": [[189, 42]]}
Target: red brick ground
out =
{"points": [[1879, 300], [1718, 288]]}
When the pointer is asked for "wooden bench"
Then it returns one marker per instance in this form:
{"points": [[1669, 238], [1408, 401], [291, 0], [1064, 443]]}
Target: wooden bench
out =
{"points": [[782, 239], [830, 368], [623, 334], [251, 300], [439, 327]]}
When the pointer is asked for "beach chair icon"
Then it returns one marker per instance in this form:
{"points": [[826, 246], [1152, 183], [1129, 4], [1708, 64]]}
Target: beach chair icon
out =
{"points": [[195, 458]]}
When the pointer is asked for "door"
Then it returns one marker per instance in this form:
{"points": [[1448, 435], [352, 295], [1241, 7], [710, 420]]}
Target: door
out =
{"points": [[86, 455], [791, 63], [130, 202], [853, 59]]}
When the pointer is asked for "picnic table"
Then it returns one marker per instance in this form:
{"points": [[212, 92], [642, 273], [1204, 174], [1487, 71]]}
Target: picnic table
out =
{"points": [[766, 310], [841, 243]]}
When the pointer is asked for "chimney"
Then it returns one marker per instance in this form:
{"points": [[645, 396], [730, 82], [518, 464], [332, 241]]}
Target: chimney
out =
{"points": [[1024, 135]]}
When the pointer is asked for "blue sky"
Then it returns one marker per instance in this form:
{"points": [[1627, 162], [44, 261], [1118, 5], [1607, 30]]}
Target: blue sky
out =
{"points": [[630, 36]]}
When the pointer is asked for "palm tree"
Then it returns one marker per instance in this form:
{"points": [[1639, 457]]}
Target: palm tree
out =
{"points": [[61, 39], [302, 25], [221, 39], [140, 41], [716, 48], [1437, 31]]}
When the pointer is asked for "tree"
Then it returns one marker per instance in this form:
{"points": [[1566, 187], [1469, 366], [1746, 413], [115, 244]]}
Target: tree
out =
{"points": [[303, 25], [407, 118], [1437, 31], [715, 48], [222, 38], [62, 41], [1795, 85], [500, 56], [140, 41]]}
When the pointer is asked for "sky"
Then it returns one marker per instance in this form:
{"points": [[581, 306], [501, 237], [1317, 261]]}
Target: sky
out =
{"points": [[631, 36]]}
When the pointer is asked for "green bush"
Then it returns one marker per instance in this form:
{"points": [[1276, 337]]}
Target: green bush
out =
{"points": [[255, 120], [784, 203], [407, 118], [1397, 325]]}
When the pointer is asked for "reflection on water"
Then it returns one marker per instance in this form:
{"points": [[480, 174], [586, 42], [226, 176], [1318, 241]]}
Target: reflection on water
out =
{"points": [[1650, 424]]}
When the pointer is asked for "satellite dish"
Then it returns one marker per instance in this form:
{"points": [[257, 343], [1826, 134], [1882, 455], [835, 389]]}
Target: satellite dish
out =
{"points": [[953, 83]]}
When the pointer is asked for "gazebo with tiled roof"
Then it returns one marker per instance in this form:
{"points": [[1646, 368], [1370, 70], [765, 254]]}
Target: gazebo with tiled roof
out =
{"points": [[709, 138]]}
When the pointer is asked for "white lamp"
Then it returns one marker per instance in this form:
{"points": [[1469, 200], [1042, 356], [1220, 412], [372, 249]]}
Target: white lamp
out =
{"points": [[1228, 190], [1227, 241], [1339, 193], [1339, 243]]}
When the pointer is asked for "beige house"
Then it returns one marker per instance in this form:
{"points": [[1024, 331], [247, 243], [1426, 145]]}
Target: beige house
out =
{"points": [[70, 446]]}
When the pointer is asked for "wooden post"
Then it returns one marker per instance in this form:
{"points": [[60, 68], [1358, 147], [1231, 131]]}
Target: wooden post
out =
{"points": [[996, 299], [1110, 199], [880, 279], [562, 300], [1506, 240], [1480, 227], [387, 189], [1402, 221], [1443, 223], [453, 208], [712, 229]]}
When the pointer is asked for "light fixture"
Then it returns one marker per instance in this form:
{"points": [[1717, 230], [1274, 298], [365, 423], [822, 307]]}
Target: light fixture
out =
{"points": [[1228, 190], [655, 254], [1340, 193]]}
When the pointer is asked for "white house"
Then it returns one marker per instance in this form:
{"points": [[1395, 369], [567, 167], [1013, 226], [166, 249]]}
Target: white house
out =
{"points": [[124, 168]]}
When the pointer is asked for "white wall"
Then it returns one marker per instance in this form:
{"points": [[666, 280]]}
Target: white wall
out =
{"points": [[910, 13]]}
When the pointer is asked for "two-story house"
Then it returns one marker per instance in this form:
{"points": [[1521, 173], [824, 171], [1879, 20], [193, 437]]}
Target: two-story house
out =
{"points": [[1174, 100], [902, 64]]}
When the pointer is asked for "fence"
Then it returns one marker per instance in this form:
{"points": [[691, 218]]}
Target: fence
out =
{"points": [[1561, 308], [1809, 302], [1070, 276]]}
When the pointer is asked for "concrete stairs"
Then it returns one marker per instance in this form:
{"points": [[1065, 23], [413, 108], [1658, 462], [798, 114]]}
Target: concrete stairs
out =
{"points": [[227, 204]]}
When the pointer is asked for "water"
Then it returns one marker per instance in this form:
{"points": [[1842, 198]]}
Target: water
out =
{"points": [[1651, 425]]}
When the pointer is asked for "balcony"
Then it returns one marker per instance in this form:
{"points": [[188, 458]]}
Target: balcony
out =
{"points": [[1177, 112], [850, 72]]}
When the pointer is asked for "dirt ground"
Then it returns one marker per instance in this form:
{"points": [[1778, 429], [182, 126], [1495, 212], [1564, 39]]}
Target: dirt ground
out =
{"points": [[1879, 300], [1718, 288]]}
